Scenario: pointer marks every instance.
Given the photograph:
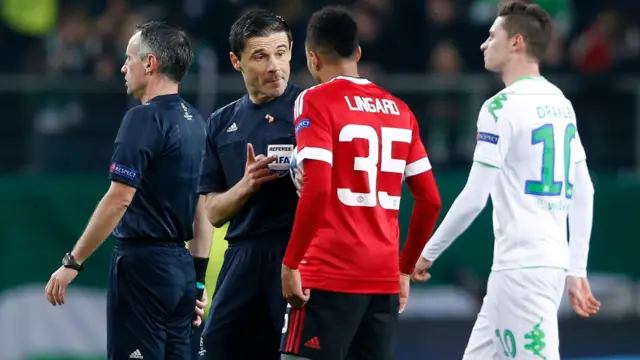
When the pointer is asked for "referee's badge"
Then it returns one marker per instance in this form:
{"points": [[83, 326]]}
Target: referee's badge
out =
{"points": [[282, 153]]}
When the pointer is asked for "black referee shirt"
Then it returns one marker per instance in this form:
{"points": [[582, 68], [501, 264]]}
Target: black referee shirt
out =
{"points": [[158, 150], [268, 214]]}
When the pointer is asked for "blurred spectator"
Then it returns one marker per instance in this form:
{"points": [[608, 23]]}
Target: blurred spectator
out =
{"points": [[593, 51], [555, 59], [81, 42], [66, 50], [445, 125], [369, 29]]}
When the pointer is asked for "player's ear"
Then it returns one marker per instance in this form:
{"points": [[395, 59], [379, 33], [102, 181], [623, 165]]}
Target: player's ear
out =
{"points": [[235, 61], [517, 41], [315, 60], [358, 53]]}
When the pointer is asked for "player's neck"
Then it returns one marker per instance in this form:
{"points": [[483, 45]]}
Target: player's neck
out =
{"points": [[332, 71], [158, 87], [518, 70]]}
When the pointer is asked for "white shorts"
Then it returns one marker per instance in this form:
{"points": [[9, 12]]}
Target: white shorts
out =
{"points": [[519, 316]]}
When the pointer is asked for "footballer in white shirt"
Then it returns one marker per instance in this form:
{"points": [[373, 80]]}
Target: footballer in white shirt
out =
{"points": [[531, 162]]}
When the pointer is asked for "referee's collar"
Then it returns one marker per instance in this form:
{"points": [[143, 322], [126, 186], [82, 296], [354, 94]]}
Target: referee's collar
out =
{"points": [[165, 98]]}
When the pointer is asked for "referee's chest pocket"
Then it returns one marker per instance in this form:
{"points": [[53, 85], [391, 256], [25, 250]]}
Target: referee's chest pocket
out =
{"points": [[233, 157]]}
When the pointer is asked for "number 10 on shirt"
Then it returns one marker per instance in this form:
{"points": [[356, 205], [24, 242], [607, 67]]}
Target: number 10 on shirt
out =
{"points": [[370, 163], [547, 185]]}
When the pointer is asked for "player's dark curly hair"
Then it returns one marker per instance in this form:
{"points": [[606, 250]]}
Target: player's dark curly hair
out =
{"points": [[333, 32], [529, 20], [255, 23], [170, 45]]}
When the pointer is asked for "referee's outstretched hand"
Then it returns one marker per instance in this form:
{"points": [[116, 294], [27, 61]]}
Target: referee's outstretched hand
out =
{"points": [[256, 171]]}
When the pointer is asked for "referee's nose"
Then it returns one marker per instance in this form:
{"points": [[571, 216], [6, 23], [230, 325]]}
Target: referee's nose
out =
{"points": [[273, 66]]}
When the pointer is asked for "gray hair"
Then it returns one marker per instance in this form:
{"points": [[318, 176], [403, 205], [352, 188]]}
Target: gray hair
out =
{"points": [[169, 45]]}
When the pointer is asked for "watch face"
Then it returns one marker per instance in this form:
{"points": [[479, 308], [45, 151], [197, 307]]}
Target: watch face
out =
{"points": [[68, 260]]}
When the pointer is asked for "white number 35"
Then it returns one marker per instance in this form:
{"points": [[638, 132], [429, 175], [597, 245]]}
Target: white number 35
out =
{"points": [[369, 164]]}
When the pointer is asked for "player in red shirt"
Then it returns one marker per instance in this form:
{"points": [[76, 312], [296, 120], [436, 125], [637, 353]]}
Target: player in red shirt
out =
{"points": [[356, 142]]}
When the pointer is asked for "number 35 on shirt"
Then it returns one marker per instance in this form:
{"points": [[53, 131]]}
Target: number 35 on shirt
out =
{"points": [[391, 150]]}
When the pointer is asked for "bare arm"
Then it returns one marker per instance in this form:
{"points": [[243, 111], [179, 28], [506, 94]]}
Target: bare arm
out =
{"points": [[200, 246], [221, 207], [104, 219]]}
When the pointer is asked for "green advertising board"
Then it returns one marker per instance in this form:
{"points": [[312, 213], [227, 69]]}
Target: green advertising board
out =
{"points": [[42, 217]]}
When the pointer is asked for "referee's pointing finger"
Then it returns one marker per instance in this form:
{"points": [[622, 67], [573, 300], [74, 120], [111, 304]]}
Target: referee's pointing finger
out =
{"points": [[251, 155]]}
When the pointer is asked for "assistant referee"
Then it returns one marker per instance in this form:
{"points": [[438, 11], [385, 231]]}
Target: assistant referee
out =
{"points": [[152, 208]]}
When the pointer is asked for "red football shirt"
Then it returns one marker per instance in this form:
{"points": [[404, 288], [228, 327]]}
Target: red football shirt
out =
{"points": [[367, 141]]}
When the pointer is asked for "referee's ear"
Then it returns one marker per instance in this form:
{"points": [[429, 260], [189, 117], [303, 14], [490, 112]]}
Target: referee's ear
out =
{"points": [[235, 61]]}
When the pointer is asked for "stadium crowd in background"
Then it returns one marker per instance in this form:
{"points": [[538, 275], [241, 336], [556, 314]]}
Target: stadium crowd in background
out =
{"points": [[594, 38]]}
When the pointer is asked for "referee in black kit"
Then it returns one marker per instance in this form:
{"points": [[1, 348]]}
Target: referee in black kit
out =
{"points": [[153, 205], [247, 310]]}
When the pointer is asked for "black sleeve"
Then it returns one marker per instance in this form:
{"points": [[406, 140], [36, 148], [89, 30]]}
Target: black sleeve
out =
{"points": [[138, 141], [211, 174]]}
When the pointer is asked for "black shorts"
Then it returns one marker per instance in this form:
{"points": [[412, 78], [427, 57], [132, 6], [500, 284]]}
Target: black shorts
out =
{"points": [[150, 302], [247, 305], [338, 326]]}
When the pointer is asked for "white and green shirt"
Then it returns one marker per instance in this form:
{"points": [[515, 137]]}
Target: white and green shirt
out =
{"points": [[525, 159]]}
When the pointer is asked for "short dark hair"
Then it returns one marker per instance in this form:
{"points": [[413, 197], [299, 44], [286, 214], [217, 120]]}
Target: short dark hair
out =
{"points": [[255, 23], [529, 20], [170, 45], [333, 31]]}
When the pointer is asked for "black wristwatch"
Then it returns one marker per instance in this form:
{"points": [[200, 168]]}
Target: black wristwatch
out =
{"points": [[69, 262]]}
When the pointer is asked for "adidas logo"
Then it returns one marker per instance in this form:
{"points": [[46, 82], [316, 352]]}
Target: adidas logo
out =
{"points": [[313, 343], [136, 355], [232, 128]]}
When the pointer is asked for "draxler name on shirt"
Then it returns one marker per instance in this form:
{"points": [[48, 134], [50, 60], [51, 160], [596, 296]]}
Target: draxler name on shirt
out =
{"points": [[123, 171], [282, 153]]}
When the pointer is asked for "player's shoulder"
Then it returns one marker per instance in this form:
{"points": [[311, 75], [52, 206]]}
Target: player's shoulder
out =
{"points": [[339, 86], [402, 106], [509, 102], [521, 92], [499, 105], [331, 87], [308, 98], [312, 93]]}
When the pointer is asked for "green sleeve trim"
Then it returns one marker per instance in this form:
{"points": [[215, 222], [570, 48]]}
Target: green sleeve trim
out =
{"points": [[487, 164]]}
